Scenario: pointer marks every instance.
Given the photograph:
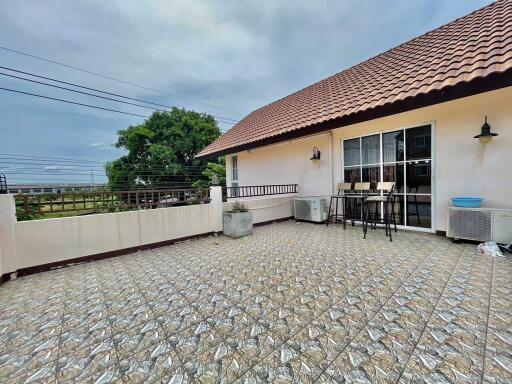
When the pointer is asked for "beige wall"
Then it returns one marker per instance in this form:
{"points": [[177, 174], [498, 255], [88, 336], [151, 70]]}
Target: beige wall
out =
{"points": [[8, 262], [462, 165], [266, 208], [31, 243], [287, 163], [52, 240]]}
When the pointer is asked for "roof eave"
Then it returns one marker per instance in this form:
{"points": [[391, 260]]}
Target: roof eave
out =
{"points": [[464, 89]]}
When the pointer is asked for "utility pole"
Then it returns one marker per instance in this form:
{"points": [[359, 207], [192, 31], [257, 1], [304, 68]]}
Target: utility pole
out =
{"points": [[92, 177]]}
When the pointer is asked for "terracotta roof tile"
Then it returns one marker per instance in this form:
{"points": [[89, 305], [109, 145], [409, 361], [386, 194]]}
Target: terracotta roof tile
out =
{"points": [[471, 47]]}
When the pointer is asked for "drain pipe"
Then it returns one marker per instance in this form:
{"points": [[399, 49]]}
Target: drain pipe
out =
{"points": [[331, 144]]}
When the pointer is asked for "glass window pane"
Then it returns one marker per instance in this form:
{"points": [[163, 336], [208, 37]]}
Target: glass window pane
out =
{"points": [[398, 206], [418, 142], [419, 211], [395, 172], [371, 149], [351, 153], [352, 175], [371, 174], [419, 177], [234, 167], [393, 146], [399, 209], [234, 192], [354, 209]]}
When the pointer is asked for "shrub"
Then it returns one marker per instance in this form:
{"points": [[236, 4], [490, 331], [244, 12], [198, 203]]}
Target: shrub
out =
{"points": [[239, 207]]}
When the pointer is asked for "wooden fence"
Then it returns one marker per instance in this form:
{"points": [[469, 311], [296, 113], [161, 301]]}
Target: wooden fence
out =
{"points": [[30, 206]]}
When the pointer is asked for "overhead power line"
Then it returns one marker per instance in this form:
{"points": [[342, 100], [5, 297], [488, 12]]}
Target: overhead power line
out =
{"points": [[87, 180], [77, 91], [67, 166], [30, 167], [99, 172], [138, 171], [48, 158], [89, 105], [91, 94], [95, 90], [50, 167], [83, 87], [73, 102], [84, 173], [46, 169], [115, 79], [73, 168]]}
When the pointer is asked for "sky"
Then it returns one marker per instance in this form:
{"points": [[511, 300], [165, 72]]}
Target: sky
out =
{"points": [[226, 58]]}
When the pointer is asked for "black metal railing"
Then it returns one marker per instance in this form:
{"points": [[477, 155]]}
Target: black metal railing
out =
{"points": [[3, 184], [259, 190]]}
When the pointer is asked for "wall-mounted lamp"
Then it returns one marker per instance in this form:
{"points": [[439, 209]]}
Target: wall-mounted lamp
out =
{"points": [[316, 154], [485, 135]]}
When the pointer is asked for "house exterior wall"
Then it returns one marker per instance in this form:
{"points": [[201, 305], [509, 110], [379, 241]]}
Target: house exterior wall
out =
{"points": [[462, 165], [265, 208], [287, 163]]}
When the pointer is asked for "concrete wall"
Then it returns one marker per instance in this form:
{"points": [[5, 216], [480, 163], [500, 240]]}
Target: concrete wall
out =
{"points": [[38, 242], [462, 165], [32, 243], [266, 208], [53, 240], [8, 260]]}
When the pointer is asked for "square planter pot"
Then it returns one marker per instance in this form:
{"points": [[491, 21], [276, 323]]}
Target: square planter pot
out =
{"points": [[237, 224]]}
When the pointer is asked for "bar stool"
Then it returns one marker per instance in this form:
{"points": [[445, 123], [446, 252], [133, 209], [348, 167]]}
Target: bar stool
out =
{"points": [[387, 199], [343, 190], [360, 193]]}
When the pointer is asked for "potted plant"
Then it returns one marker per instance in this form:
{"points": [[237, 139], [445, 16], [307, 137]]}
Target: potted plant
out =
{"points": [[237, 222]]}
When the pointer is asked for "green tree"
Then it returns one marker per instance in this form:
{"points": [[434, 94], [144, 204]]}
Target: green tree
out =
{"points": [[161, 151], [213, 169]]}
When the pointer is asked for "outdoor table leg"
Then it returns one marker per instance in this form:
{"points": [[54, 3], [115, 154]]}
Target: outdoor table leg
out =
{"points": [[336, 212], [329, 213], [344, 213]]}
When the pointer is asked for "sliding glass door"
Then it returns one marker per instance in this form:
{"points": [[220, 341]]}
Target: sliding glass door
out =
{"points": [[403, 156]]}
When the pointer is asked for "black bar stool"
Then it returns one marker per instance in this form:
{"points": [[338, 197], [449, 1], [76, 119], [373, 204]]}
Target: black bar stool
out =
{"points": [[388, 201], [339, 199], [356, 200]]}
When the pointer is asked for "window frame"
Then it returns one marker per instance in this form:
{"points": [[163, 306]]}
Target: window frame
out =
{"points": [[404, 162], [234, 169]]}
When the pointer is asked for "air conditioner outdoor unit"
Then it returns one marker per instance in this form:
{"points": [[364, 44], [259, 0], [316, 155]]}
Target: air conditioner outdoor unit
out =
{"points": [[480, 224], [310, 209]]}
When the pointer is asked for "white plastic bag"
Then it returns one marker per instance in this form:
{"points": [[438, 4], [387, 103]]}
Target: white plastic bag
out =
{"points": [[490, 248]]}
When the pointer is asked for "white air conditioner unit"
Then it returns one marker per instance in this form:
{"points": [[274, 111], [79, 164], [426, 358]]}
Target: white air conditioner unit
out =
{"points": [[480, 224], [310, 209]]}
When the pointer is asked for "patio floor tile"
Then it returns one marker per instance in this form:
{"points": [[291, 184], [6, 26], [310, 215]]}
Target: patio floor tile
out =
{"points": [[294, 303]]}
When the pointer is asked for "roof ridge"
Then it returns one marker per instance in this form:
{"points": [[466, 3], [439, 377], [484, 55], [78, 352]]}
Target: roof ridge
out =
{"points": [[471, 47], [494, 3]]}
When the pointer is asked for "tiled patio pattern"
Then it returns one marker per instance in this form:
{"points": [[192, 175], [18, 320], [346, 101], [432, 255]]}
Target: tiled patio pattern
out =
{"points": [[294, 303]]}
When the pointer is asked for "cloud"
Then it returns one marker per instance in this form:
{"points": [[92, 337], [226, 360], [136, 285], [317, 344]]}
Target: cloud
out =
{"points": [[100, 145], [238, 55], [58, 167]]}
